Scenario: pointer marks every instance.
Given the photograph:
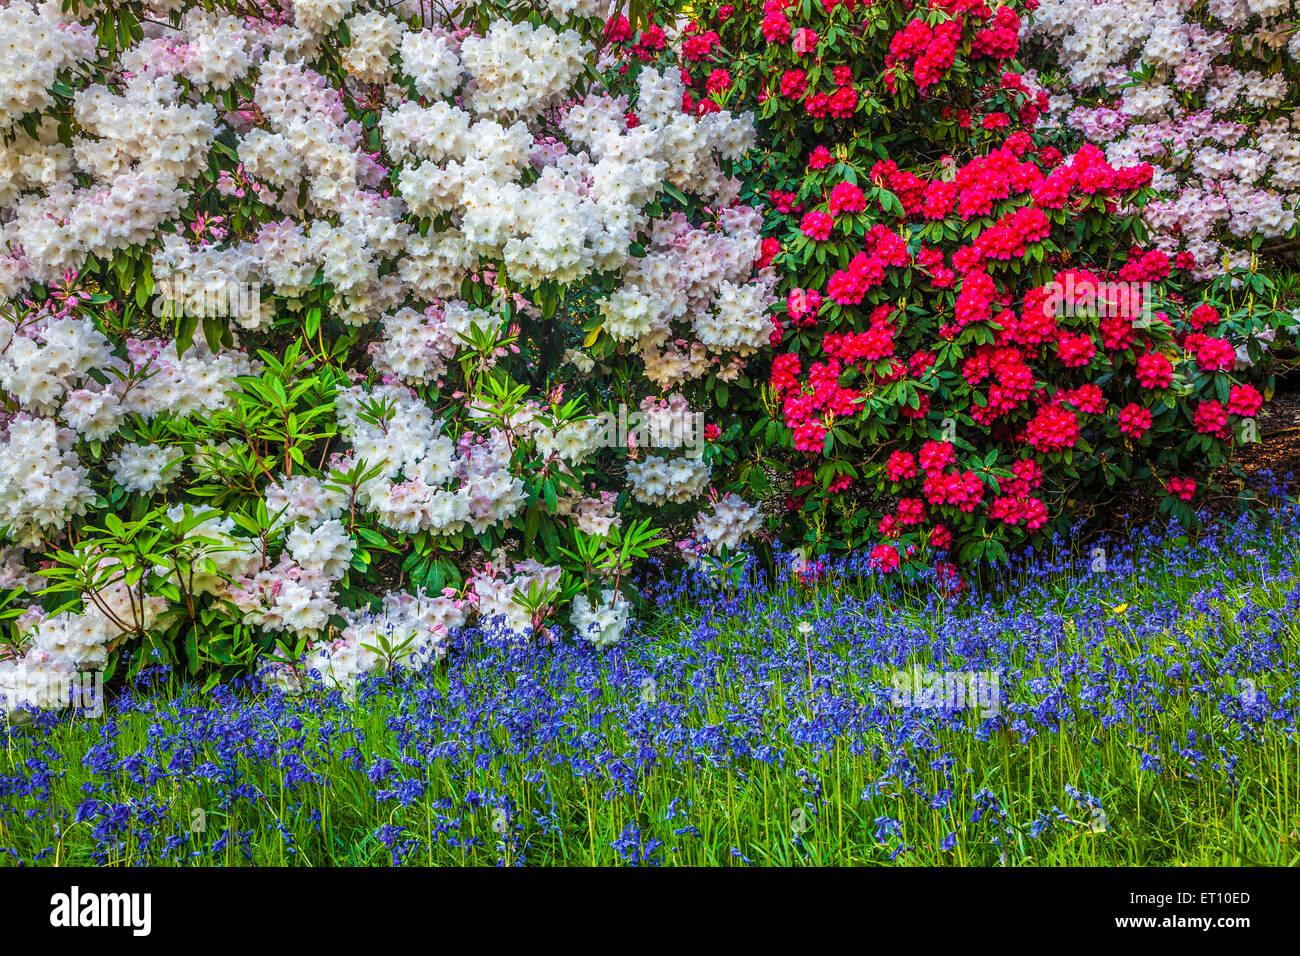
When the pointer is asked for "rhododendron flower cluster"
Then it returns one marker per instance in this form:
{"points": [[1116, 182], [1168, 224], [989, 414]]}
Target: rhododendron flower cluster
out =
{"points": [[409, 199], [970, 332], [1213, 109], [727, 523], [604, 623]]}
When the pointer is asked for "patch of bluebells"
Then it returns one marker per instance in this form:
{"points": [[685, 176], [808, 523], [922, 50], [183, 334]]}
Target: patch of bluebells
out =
{"points": [[739, 687]]}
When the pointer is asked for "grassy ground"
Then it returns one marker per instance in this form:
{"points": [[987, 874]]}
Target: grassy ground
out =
{"points": [[1145, 713]]}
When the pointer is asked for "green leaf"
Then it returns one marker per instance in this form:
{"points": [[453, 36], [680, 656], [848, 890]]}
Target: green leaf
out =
{"points": [[192, 649], [185, 329], [214, 329]]}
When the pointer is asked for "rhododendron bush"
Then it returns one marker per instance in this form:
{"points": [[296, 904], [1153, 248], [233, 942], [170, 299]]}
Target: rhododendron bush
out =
{"points": [[1207, 94], [973, 336], [322, 322]]}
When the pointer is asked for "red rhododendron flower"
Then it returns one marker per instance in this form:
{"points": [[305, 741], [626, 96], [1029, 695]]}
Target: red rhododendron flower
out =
{"points": [[1134, 420], [920, 362], [935, 456], [846, 197], [870, 346], [1000, 242], [810, 436], [1075, 351], [932, 50], [1215, 355], [1116, 332], [783, 201], [849, 286], [1002, 40], [940, 197], [820, 158], [964, 489], [1009, 510], [700, 46], [802, 306], [1154, 370], [1210, 418], [911, 511], [1184, 488], [1031, 223], [794, 83], [900, 466], [617, 29], [1086, 398], [653, 38], [842, 103], [818, 105], [776, 28], [1142, 266], [1244, 400], [1027, 475], [718, 81], [817, 225], [1053, 429], [1019, 143], [785, 368], [1203, 315], [974, 302], [884, 558], [888, 246], [805, 41]]}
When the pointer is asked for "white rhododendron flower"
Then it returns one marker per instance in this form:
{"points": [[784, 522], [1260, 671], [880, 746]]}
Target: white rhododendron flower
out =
{"points": [[143, 468], [727, 523], [604, 623]]}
